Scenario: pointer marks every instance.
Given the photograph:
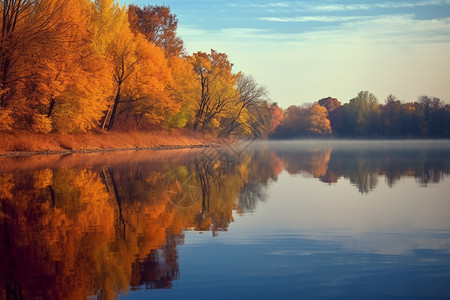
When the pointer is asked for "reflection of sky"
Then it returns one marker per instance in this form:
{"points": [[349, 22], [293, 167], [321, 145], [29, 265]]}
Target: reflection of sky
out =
{"points": [[306, 206], [313, 240], [306, 50], [303, 269], [303, 206]]}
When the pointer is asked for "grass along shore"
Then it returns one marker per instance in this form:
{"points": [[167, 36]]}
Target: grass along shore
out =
{"points": [[22, 143]]}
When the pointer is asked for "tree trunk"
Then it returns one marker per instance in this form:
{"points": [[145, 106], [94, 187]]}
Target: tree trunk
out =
{"points": [[113, 113], [52, 106]]}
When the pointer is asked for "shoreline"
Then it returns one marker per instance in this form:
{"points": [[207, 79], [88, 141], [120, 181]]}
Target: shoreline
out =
{"points": [[23, 143], [102, 150]]}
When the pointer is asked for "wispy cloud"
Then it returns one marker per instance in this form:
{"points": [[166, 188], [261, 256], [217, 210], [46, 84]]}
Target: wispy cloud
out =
{"points": [[279, 4], [393, 29], [297, 48], [337, 7], [326, 19], [385, 5]]}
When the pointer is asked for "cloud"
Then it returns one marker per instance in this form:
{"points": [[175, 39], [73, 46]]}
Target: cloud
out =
{"points": [[392, 53], [302, 6], [339, 7], [326, 19], [279, 4], [394, 29], [385, 5]]}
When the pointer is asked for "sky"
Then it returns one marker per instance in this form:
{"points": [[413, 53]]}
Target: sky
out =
{"points": [[302, 51]]}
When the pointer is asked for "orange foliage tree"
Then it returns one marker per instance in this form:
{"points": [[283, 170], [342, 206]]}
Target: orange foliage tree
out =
{"points": [[276, 116], [73, 65], [158, 25]]}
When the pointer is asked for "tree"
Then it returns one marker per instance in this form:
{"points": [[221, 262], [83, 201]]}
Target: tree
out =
{"points": [[319, 124], [304, 121], [141, 76], [79, 84], [276, 116], [329, 103], [29, 30], [56, 74], [391, 113], [432, 109], [158, 25], [26, 24], [361, 116], [149, 88], [125, 59], [108, 22], [293, 124], [183, 90], [251, 95], [217, 89]]}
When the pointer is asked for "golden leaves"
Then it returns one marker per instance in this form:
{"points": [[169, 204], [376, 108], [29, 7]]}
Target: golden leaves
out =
{"points": [[84, 64]]}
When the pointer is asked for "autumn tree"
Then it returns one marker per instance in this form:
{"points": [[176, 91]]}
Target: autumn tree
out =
{"points": [[276, 116], [329, 103], [260, 120], [149, 89], [108, 21], [217, 92], [183, 91], [25, 24], [78, 83], [158, 25], [304, 121], [139, 69], [319, 123], [28, 28], [57, 74], [291, 124], [246, 107]]}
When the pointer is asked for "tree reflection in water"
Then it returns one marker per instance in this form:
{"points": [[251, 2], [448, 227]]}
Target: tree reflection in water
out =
{"points": [[363, 163], [81, 225], [100, 226]]}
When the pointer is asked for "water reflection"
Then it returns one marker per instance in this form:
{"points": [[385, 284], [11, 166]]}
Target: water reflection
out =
{"points": [[364, 162], [99, 224], [95, 224]]}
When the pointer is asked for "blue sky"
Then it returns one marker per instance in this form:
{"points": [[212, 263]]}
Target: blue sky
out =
{"points": [[303, 51]]}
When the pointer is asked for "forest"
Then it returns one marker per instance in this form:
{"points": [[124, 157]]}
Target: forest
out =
{"points": [[77, 66], [365, 117], [70, 66]]}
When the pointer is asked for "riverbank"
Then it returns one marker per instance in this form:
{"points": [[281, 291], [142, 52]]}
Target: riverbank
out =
{"points": [[24, 143]]}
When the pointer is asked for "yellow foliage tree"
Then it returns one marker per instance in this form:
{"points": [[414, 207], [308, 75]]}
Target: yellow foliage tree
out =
{"points": [[319, 123], [83, 75], [183, 91], [217, 92], [149, 87]]}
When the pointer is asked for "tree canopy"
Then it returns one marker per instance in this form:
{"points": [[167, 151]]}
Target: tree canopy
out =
{"points": [[364, 117], [74, 65]]}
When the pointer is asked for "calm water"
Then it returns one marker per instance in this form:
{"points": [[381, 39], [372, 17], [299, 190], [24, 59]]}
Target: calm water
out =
{"points": [[297, 220]]}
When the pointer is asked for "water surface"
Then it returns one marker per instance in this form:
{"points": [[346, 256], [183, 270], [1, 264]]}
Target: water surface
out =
{"points": [[289, 220]]}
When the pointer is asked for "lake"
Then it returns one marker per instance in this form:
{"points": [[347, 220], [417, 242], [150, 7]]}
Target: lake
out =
{"points": [[256, 220]]}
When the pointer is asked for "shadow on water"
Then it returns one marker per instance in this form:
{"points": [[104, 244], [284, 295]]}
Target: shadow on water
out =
{"points": [[99, 224]]}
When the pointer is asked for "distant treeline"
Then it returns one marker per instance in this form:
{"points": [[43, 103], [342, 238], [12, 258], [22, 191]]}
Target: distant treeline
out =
{"points": [[365, 117]]}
